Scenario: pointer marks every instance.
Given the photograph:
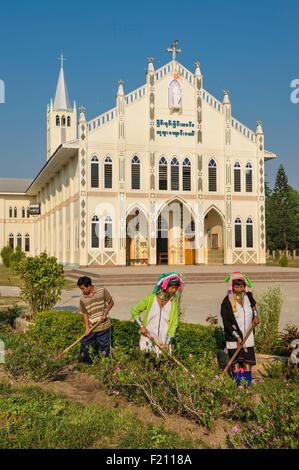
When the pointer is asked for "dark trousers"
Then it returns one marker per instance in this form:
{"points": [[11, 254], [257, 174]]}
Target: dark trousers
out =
{"points": [[99, 341]]}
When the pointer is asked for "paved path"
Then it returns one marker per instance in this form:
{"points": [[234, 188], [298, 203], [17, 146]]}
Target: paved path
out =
{"points": [[199, 300]]}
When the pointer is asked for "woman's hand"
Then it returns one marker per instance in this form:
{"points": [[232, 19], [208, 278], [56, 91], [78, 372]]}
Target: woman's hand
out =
{"points": [[87, 331], [143, 331], [256, 321], [239, 340]]}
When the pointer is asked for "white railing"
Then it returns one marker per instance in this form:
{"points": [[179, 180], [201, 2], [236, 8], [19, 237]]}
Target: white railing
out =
{"points": [[213, 102], [102, 119], [243, 130], [136, 94], [169, 68]]}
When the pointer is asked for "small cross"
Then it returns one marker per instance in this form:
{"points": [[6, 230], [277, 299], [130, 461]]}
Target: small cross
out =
{"points": [[61, 58], [174, 49]]}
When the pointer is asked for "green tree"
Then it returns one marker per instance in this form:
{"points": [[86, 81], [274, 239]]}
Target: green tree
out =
{"points": [[42, 282], [283, 213], [270, 228]]}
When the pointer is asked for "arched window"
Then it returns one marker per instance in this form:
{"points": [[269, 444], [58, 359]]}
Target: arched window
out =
{"points": [[68, 121], [28, 213], [249, 233], [11, 240], [135, 172], [10, 212], [212, 175], [57, 120], [237, 177], [108, 172], [95, 239], [175, 174], [19, 240], [186, 175], [27, 242], [248, 177], [238, 233], [63, 121], [94, 172], [163, 173], [15, 212], [108, 232], [23, 212]]}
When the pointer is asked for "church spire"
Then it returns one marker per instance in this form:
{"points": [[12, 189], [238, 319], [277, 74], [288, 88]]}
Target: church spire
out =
{"points": [[61, 101]]}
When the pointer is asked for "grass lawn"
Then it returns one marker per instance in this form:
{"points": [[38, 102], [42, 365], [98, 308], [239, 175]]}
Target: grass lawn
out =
{"points": [[8, 278], [32, 418]]}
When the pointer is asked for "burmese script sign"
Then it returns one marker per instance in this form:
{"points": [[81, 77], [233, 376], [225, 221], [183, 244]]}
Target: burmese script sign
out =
{"points": [[176, 128]]}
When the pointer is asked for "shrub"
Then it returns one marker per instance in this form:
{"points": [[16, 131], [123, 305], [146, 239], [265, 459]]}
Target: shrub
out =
{"points": [[283, 262], [29, 359], [198, 340], [58, 329], [6, 255], [43, 282], [269, 307], [275, 422], [289, 333]]}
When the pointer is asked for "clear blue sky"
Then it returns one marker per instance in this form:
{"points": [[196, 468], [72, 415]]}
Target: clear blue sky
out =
{"points": [[251, 48]]}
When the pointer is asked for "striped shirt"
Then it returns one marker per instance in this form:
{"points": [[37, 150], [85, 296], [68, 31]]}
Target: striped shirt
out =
{"points": [[94, 306]]}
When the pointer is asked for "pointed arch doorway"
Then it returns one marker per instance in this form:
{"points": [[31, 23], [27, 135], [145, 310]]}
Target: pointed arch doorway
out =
{"points": [[136, 238], [175, 235], [214, 242]]}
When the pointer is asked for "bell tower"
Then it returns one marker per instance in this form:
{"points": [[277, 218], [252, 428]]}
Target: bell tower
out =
{"points": [[61, 116]]}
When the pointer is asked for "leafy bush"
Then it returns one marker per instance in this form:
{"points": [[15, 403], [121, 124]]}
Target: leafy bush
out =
{"points": [[197, 340], [6, 255], [275, 420], [269, 307], [283, 262], [58, 329], [29, 359], [43, 282]]}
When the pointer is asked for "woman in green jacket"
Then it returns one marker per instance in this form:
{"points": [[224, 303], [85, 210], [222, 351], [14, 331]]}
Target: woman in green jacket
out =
{"points": [[161, 313]]}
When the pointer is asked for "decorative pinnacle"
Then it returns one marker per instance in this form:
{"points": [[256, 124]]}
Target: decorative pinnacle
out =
{"points": [[82, 109], [150, 60]]}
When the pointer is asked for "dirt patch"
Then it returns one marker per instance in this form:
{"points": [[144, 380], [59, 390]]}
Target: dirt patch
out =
{"points": [[82, 387]]}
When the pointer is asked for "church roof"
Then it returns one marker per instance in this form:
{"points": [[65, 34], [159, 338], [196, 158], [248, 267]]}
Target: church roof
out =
{"points": [[61, 101], [14, 185]]}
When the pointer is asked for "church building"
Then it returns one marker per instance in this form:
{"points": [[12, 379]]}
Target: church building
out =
{"points": [[168, 176]]}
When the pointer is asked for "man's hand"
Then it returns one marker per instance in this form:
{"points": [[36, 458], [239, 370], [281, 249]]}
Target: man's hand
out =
{"points": [[143, 331], [255, 321], [87, 331]]}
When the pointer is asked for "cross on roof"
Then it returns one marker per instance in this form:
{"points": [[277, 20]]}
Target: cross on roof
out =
{"points": [[61, 58], [174, 49]]}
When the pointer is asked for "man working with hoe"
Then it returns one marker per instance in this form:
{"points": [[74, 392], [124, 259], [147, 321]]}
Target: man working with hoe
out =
{"points": [[95, 304]]}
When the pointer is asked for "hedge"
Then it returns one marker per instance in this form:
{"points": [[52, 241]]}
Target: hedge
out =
{"points": [[58, 329]]}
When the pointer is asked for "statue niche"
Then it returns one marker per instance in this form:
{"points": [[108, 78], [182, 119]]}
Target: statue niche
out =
{"points": [[175, 96]]}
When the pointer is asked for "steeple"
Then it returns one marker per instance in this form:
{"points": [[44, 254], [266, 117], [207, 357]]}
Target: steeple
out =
{"points": [[61, 116], [197, 72], [61, 101]]}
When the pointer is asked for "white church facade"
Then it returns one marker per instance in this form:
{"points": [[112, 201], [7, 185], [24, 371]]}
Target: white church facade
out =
{"points": [[168, 176]]}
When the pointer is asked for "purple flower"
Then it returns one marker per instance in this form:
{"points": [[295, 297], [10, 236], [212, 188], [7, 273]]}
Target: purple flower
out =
{"points": [[261, 429], [235, 429], [117, 369], [201, 411]]}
